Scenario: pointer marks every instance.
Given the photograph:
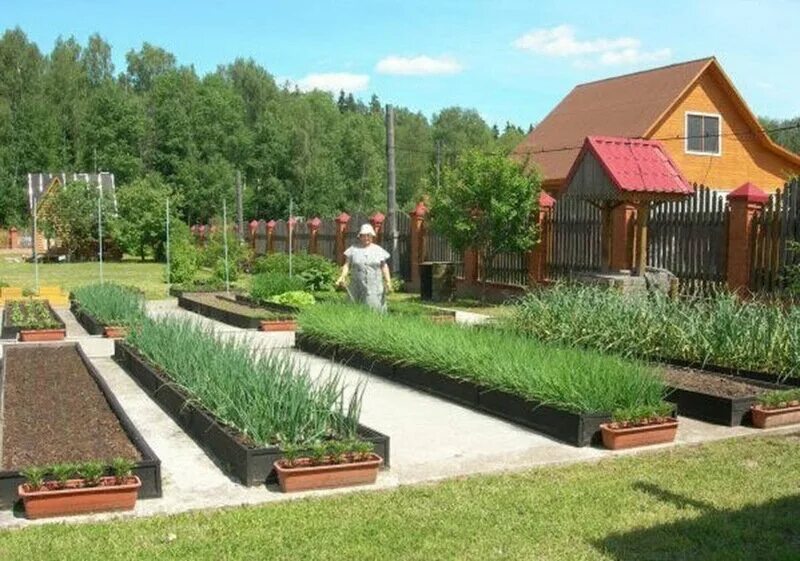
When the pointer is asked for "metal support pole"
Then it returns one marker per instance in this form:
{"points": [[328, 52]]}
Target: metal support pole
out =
{"points": [[225, 242], [391, 188], [169, 272], [100, 231], [35, 232]]}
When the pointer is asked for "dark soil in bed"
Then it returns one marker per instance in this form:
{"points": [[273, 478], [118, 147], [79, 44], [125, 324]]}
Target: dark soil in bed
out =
{"points": [[704, 382], [55, 412]]}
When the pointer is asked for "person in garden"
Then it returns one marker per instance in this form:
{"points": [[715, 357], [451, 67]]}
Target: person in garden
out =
{"points": [[367, 266]]}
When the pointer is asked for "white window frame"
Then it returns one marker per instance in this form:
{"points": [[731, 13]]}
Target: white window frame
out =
{"points": [[686, 133]]}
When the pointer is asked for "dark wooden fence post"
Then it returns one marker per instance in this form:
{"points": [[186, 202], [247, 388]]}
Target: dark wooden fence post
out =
{"points": [[537, 257], [290, 234], [13, 238], [341, 236], [623, 219], [744, 202]]}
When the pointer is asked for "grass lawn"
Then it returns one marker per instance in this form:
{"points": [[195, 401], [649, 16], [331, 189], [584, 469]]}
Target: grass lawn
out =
{"points": [[727, 501], [146, 276]]}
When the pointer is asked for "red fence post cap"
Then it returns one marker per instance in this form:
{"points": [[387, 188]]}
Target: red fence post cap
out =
{"points": [[545, 200], [750, 193], [271, 225], [292, 221], [253, 225], [420, 210], [314, 223], [343, 218], [377, 219]]}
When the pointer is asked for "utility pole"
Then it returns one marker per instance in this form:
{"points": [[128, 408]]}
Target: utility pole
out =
{"points": [[239, 209], [391, 188], [438, 161]]}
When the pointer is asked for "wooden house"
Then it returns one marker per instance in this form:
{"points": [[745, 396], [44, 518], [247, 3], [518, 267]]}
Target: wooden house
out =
{"points": [[692, 108]]}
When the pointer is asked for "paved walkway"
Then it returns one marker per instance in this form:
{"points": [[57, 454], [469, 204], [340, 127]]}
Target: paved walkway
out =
{"points": [[430, 438]]}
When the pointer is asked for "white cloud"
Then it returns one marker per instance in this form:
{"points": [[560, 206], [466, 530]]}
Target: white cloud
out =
{"points": [[418, 65], [330, 82], [562, 41], [634, 56]]}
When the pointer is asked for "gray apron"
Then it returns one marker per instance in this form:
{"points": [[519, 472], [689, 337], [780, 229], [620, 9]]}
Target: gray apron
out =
{"points": [[366, 278]]}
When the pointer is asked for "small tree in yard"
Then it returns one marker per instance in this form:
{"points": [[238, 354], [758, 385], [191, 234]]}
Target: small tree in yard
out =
{"points": [[487, 203], [142, 223]]}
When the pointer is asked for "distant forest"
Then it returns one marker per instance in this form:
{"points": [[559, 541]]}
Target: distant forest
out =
{"points": [[71, 110]]}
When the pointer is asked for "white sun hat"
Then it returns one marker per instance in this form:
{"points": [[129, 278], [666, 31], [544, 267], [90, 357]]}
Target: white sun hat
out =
{"points": [[366, 229]]}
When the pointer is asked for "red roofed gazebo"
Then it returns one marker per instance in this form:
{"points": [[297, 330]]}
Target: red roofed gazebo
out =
{"points": [[610, 171]]}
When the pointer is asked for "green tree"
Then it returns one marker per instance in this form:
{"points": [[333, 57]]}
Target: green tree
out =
{"points": [[146, 65], [487, 203], [460, 130], [142, 216], [785, 132]]}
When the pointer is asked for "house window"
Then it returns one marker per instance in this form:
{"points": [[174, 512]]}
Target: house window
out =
{"points": [[703, 134]]}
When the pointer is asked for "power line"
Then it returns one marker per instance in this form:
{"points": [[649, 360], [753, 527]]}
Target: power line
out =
{"points": [[749, 133]]}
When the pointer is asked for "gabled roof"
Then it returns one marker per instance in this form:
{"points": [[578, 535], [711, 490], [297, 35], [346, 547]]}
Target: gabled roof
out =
{"points": [[624, 106], [39, 183], [633, 165]]}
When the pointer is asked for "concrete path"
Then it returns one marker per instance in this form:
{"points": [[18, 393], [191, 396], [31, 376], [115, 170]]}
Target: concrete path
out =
{"points": [[431, 438]]}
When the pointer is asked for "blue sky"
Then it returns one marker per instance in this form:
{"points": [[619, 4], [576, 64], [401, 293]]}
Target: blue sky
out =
{"points": [[511, 60]]}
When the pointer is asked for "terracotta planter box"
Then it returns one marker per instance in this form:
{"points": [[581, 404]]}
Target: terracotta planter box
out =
{"points": [[114, 332], [38, 335], [767, 418], [277, 325], [305, 478], [644, 435], [80, 500]]}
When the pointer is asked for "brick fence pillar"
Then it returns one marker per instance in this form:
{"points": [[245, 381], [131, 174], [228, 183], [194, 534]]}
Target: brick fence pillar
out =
{"points": [[271, 236], [537, 257], [744, 202], [417, 235], [13, 238], [377, 221], [313, 234], [341, 236], [252, 227]]}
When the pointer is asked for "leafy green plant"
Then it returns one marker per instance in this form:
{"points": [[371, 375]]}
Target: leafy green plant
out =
{"points": [[122, 469], [34, 477], [337, 451], [722, 329], [319, 280], [297, 298], [361, 449], [270, 397], [91, 472], [573, 379], [267, 285], [110, 303], [31, 314], [291, 453], [183, 254], [63, 472], [318, 452], [779, 398]]}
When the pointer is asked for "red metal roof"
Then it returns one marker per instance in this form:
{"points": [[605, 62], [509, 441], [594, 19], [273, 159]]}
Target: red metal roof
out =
{"points": [[635, 165]]}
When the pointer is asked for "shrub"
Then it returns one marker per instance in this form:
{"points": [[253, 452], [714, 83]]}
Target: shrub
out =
{"points": [[319, 274], [267, 285], [183, 254], [297, 298]]}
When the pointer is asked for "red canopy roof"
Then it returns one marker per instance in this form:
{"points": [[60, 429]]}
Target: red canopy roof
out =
{"points": [[635, 165]]}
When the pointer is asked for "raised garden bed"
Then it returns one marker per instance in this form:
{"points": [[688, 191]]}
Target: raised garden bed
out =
{"points": [[87, 320], [231, 312], [49, 326], [49, 392], [714, 398], [250, 464], [577, 429]]}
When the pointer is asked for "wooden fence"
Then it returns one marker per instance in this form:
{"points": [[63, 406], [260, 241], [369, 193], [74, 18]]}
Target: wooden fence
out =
{"points": [[576, 238], [774, 233], [689, 239]]}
